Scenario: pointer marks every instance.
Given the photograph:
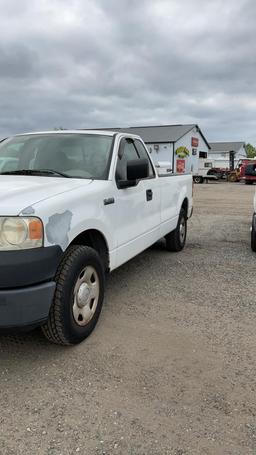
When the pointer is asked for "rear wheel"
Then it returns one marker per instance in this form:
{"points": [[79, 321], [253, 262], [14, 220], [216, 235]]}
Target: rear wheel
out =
{"points": [[175, 240], [78, 298], [198, 179]]}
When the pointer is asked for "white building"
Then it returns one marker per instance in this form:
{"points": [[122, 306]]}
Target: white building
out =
{"points": [[176, 147], [223, 153]]}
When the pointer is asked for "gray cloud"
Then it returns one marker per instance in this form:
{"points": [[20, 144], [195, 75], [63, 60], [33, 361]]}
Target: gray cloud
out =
{"points": [[84, 63]]}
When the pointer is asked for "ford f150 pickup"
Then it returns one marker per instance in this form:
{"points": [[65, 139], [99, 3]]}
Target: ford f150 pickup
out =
{"points": [[75, 205]]}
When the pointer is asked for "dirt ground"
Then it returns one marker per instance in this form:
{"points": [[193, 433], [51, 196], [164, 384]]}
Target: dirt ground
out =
{"points": [[171, 366]]}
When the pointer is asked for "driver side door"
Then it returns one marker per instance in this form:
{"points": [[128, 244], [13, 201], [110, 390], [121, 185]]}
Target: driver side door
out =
{"points": [[133, 224]]}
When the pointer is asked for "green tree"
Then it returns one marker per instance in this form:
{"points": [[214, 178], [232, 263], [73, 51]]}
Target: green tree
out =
{"points": [[250, 151]]}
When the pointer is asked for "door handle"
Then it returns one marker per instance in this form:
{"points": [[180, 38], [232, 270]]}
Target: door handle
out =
{"points": [[109, 200], [149, 195]]}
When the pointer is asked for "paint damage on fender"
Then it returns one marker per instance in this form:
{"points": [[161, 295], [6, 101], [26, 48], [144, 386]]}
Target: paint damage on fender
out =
{"points": [[58, 227]]}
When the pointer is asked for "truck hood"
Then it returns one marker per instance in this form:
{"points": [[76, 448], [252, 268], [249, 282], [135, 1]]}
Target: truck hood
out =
{"points": [[18, 192]]}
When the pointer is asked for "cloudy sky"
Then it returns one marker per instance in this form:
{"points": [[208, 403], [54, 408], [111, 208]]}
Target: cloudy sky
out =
{"points": [[97, 63]]}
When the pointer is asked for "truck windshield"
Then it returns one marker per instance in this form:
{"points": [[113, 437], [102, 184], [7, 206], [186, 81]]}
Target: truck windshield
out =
{"points": [[65, 155]]}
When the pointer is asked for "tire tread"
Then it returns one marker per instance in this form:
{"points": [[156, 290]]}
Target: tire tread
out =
{"points": [[53, 329], [172, 239]]}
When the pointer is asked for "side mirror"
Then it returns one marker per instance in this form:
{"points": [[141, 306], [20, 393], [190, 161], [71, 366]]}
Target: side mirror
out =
{"points": [[136, 170]]}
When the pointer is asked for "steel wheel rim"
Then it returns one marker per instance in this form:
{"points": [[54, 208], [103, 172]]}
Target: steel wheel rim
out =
{"points": [[182, 229], [86, 296]]}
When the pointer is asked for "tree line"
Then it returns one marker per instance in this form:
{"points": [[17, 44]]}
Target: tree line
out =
{"points": [[250, 151]]}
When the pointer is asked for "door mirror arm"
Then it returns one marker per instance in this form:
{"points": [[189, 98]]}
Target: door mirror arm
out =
{"points": [[122, 184]]}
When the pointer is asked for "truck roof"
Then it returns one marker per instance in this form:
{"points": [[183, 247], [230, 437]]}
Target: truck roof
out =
{"points": [[95, 132]]}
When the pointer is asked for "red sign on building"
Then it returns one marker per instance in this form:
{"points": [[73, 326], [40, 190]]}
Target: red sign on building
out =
{"points": [[180, 166], [194, 142]]}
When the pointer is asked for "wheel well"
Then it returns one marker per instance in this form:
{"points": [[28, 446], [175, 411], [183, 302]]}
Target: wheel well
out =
{"points": [[185, 206], [95, 240]]}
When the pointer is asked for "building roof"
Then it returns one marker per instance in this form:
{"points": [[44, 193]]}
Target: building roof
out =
{"points": [[226, 146], [160, 133]]}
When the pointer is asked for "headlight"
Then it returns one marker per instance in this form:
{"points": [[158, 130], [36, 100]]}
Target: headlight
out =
{"points": [[17, 233]]}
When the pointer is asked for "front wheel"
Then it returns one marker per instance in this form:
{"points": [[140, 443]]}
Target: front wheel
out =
{"points": [[232, 178], [79, 294], [175, 240]]}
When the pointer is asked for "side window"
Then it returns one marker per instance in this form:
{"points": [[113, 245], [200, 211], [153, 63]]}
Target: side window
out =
{"points": [[127, 152], [143, 154]]}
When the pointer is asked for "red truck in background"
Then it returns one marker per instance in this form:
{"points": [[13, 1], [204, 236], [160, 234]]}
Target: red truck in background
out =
{"points": [[248, 172], [244, 170]]}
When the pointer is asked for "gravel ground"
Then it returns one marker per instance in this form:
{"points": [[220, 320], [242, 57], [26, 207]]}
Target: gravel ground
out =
{"points": [[170, 368]]}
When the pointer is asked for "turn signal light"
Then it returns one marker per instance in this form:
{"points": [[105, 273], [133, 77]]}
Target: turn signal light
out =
{"points": [[35, 230]]}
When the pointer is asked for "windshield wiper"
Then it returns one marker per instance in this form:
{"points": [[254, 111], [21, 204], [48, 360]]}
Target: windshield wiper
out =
{"points": [[36, 172]]}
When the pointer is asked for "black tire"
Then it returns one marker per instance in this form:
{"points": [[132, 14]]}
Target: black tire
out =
{"points": [[174, 240], [198, 179], [253, 237], [248, 182], [61, 327]]}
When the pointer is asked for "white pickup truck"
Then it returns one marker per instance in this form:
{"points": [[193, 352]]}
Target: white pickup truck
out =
{"points": [[75, 205]]}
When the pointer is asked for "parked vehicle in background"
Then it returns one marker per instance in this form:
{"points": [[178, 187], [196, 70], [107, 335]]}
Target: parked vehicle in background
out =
{"points": [[220, 173], [238, 173], [249, 176], [205, 171], [253, 227], [78, 205]]}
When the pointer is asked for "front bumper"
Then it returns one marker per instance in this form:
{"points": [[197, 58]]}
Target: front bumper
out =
{"points": [[28, 267], [27, 285], [25, 307]]}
